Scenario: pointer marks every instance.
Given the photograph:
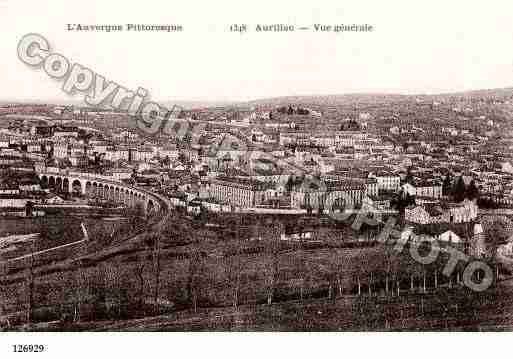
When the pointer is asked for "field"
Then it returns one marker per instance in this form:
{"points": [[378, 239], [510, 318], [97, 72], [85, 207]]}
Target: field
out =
{"points": [[200, 272], [53, 231], [188, 268]]}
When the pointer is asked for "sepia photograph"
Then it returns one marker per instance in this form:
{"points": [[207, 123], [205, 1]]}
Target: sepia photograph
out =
{"points": [[241, 168]]}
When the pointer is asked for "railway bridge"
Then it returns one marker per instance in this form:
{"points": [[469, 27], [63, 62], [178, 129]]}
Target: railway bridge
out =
{"points": [[98, 186]]}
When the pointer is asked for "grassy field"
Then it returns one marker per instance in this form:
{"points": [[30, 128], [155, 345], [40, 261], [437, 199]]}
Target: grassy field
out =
{"points": [[55, 231]]}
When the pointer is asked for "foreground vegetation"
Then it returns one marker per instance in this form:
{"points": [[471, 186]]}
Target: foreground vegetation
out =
{"points": [[192, 268]]}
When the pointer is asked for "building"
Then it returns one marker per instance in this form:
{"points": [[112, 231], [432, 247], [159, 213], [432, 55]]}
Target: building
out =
{"points": [[370, 184], [120, 174], [117, 154], [239, 192], [65, 131], [13, 201], [141, 155], [448, 237], [33, 147], [478, 242], [428, 213], [78, 160], [60, 150], [99, 147], [381, 203], [348, 138], [387, 181], [313, 194], [371, 187], [429, 189]]}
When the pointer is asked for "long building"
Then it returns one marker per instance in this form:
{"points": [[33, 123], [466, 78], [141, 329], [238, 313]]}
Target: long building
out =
{"points": [[327, 194], [237, 191]]}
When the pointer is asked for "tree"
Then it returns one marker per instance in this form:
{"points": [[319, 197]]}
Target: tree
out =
{"points": [[153, 243], [497, 230], [302, 111], [472, 190], [30, 283], [409, 176], [289, 185], [282, 110], [459, 190], [139, 274], [166, 161], [390, 267], [80, 288], [237, 271], [4, 297], [304, 265], [117, 288], [447, 186], [194, 277], [402, 200], [182, 158], [272, 247]]}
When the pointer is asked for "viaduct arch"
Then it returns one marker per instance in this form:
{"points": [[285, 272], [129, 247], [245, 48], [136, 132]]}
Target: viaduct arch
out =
{"points": [[95, 187]]}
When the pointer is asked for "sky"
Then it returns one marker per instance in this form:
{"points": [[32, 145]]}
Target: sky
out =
{"points": [[417, 47]]}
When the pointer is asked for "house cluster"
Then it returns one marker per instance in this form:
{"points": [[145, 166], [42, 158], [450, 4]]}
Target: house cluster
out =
{"points": [[292, 157], [471, 239], [442, 212]]}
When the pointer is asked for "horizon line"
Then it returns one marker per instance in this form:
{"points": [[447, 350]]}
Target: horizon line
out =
{"points": [[256, 99]]}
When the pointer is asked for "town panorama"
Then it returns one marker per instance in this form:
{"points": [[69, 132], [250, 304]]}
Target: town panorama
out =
{"points": [[365, 212]]}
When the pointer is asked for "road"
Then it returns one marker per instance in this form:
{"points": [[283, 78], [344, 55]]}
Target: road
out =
{"points": [[35, 254]]}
